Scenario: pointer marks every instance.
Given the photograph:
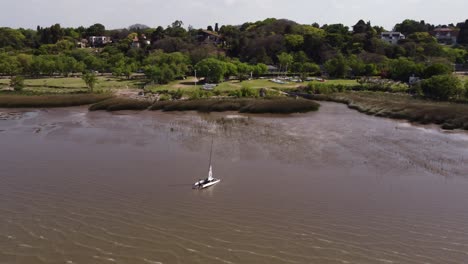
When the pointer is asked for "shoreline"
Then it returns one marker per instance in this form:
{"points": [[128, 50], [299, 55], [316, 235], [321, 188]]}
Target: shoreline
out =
{"points": [[275, 105], [447, 115]]}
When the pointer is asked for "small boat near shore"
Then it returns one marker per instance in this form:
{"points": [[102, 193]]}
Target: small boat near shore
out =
{"points": [[210, 180]]}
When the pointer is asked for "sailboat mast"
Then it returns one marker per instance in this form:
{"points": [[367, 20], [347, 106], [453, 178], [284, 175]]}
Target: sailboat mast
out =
{"points": [[211, 151]]}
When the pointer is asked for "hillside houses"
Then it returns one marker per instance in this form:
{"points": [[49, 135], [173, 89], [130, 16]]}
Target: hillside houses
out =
{"points": [[392, 37], [209, 37], [98, 41], [446, 35]]}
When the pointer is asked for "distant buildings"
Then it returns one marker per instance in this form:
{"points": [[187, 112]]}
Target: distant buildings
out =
{"points": [[209, 37], [392, 37], [82, 43], [446, 35], [136, 43], [272, 68], [99, 41]]}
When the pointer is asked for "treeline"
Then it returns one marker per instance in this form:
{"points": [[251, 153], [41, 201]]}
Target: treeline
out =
{"points": [[172, 52]]}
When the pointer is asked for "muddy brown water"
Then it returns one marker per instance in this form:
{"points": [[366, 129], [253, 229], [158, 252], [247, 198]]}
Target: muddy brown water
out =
{"points": [[333, 186]]}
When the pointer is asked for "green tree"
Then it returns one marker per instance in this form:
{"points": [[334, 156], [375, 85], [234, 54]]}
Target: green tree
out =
{"points": [[442, 87], [231, 70], [17, 82], [260, 69], [437, 69], [9, 65], [25, 61], [310, 68], [212, 69], [177, 61], [160, 74], [294, 42], [358, 67], [403, 68], [337, 67], [371, 69], [409, 26], [243, 70], [11, 38], [463, 35], [91, 80], [96, 30], [285, 60]]}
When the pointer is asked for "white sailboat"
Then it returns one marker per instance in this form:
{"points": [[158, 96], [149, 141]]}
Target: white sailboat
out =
{"points": [[210, 180]]}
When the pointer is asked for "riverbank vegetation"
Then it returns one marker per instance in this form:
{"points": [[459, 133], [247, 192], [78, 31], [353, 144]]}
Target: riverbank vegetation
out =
{"points": [[46, 101], [403, 106], [246, 105], [118, 104], [281, 105], [214, 54], [268, 58]]}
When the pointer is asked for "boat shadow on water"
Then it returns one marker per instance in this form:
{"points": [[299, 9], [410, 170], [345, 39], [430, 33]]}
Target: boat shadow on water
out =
{"points": [[185, 185]]}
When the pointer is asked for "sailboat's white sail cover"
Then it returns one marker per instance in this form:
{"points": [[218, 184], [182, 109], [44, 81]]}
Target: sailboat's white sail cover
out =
{"points": [[210, 174]]}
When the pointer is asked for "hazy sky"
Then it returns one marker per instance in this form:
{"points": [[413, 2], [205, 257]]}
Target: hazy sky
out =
{"points": [[200, 13]]}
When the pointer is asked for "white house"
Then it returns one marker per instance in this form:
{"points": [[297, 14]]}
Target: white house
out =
{"points": [[99, 41], [392, 37]]}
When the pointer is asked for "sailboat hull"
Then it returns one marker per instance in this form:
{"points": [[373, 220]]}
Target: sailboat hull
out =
{"points": [[204, 184]]}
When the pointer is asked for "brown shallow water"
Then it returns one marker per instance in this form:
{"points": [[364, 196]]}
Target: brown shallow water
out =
{"points": [[334, 186]]}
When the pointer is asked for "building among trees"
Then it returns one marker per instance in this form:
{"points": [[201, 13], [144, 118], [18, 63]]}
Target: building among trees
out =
{"points": [[209, 37], [392, 37], [99, 41], [446, 35]]}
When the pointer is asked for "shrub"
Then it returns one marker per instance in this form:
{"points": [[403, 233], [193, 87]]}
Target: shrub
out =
{"points": [[442, 87], [316, 88], [164, 97], [235, 93], [177, 94], [200, 94], [17, 82], [90, 79], [247, 92], [437, 69]]}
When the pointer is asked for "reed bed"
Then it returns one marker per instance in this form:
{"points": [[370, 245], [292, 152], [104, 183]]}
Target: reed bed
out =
{"points": [[119, 104], [259, 106], [401, 106], [46, 101]]}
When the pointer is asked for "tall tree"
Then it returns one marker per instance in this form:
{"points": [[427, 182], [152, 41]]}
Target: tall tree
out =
{"points": [[285, 61], [409, 26], [463, 35], [91, 80], [96, 30]]}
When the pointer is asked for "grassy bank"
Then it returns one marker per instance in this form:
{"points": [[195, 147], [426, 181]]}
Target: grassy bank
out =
{"points": [[19, 101], [402, 106], [118, 104], [71, 85], [274, 105]]}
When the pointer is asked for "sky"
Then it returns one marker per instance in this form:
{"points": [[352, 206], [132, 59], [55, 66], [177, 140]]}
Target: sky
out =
{"points": [[201, 13]]}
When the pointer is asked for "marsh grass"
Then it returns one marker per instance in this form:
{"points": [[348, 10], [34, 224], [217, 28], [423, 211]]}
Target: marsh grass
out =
{"points": [[118, 104], [271, 105], [26, 101], [402, 106]]}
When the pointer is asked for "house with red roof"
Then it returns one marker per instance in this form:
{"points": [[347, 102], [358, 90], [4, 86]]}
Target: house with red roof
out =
{"points": [[445, 35]]}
